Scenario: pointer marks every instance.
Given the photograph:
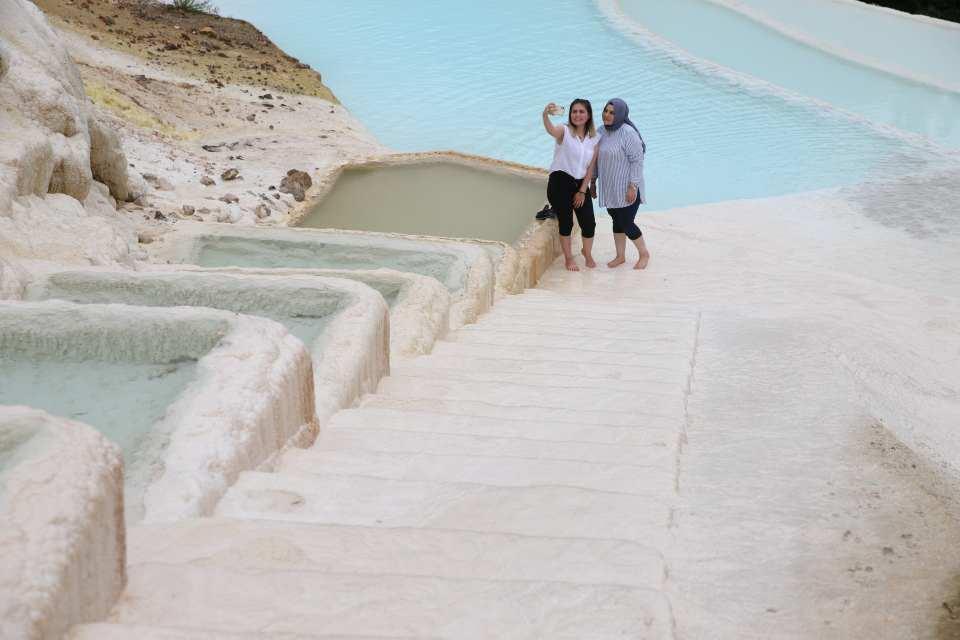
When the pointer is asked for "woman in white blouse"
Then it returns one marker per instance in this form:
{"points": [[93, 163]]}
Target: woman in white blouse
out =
{"points": [[573, 154], [619, 169]]}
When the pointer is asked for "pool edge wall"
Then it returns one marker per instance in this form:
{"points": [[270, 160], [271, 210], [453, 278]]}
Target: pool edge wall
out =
{"points": [[535, 249], [64, 563], [252, 396], [476, 296], [349, 358], [418, 318]]}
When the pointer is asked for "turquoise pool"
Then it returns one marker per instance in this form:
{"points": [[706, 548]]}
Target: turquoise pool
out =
{"points": [[729, 38], [922, 48], [474, 76]]}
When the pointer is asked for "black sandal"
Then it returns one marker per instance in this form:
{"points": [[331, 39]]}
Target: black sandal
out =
{"points": [[546, 213]]}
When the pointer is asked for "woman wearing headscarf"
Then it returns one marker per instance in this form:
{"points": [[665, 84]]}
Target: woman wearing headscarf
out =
{"points": [[620, 154], [573, 154]]}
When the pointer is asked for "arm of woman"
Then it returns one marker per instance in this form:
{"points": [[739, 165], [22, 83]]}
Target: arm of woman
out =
{"points": [[553, 129], [587, 181], [633, 150]]}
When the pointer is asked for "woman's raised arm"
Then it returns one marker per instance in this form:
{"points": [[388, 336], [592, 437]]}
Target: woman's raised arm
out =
{"points": [[554, 130]]}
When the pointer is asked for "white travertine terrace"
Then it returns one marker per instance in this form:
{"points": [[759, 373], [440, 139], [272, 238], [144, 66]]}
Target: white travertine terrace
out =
{"points": [[349, 356], [60, 168], [518, 265], [738, 442], [932, 42], [62, 536], [466, 270], [419, 305], [252, 396]]}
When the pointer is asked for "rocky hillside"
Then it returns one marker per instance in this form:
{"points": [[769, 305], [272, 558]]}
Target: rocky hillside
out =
{"points": [[218, 149], [208, 47]]}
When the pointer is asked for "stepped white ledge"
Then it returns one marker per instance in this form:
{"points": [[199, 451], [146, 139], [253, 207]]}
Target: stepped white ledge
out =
{"points": [[62, 547], [636, 478], [251, 395], [438, 553], [548, 510], [419, 305], [403, 606], [464, 269], [646, 432], [349, 355]]}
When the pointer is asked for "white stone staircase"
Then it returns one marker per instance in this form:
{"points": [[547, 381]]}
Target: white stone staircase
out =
{"points": [[519, 482]]}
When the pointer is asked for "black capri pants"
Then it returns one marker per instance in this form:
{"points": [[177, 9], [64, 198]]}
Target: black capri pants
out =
{"points": [[561, 188], [623, 219]]}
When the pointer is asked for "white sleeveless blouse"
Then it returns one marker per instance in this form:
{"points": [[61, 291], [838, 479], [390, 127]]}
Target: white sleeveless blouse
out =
{"points": [[572, 155]]}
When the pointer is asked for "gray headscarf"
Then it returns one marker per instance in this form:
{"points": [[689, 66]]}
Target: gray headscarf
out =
{"points": [[621, 113]]}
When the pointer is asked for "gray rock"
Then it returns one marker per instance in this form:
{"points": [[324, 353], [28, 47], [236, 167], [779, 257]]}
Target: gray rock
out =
{"points": [[296, 183], [230, 174], [229, 197], [207, 181], [148, 235], [188, 210], [262, 211]]}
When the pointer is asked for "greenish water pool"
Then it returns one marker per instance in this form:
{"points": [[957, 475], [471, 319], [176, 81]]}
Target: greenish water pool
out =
{"points": [[436, 198]]}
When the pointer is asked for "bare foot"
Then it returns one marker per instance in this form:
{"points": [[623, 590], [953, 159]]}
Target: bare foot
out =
{"points": [[616, 262], [588, 260], [571, 264], [642, 262]]}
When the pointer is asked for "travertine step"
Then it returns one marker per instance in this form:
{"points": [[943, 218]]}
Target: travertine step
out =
{"points": [[610, 322], [558, 377], [598, 340], [362, 501], [671, 357], [624, 370], [275, 602], [541, 393], [657, 432], [539, 300], [261, 546], [107, 631], [399, 441], [671, 345], [513, 320], [586, 322], [491, 409], [638, 479]]}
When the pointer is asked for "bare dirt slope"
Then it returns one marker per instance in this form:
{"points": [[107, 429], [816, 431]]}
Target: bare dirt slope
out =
{"points": [[209, 47], [211, 114]]}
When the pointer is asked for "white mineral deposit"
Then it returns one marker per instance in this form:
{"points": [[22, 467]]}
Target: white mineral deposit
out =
{"points": [[216, 422]]}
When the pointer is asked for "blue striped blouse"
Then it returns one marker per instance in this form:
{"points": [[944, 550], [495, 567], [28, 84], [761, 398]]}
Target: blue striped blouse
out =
{"points": [[619, 163]]}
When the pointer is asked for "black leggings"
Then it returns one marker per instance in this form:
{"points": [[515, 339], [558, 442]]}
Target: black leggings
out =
{"points": [[623, 220], [561, 188]]}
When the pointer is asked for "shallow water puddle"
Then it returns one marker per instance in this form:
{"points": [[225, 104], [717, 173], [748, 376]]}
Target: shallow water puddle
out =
{"points": [[439, 199]]}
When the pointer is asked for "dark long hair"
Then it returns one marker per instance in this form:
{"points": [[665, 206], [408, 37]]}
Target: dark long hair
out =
{"points": [[588, 126]]}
